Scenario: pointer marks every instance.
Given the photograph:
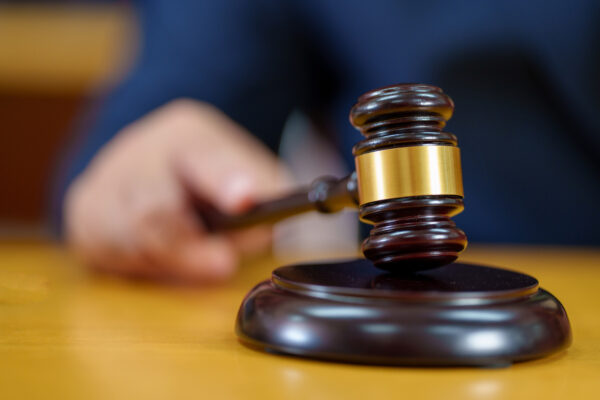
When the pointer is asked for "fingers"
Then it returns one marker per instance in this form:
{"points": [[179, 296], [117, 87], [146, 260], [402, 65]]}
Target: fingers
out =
{"points": [[172, 241], [226, 166], [129, 212], [252, 240], [204, 260]]}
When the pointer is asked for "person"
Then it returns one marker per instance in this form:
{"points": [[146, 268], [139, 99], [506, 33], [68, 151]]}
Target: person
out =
{"points": [[201, 112]]}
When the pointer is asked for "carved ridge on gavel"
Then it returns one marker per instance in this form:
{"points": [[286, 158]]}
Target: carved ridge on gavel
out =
{"points": [[407, 183]]}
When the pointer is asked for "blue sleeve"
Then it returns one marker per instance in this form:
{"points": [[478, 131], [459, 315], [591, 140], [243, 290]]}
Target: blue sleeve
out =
{"points": [[240, 55]]}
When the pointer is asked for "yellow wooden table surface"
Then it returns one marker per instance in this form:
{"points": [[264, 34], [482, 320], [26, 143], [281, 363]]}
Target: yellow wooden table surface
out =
{"points": [[67, 334]]}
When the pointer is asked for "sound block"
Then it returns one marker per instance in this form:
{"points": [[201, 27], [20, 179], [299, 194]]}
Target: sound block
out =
{"points": [[460, 314]]}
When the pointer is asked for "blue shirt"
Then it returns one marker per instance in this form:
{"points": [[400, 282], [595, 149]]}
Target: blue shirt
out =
{"points": [[524, 75]]}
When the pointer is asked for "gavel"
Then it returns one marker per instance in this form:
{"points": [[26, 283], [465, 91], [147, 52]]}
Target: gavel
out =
{"points": [[407, 182], [396, 308]]}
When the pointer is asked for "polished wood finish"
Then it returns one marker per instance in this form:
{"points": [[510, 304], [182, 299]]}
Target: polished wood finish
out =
{"points": [[65, 334], [459, 314], [411, 233]]}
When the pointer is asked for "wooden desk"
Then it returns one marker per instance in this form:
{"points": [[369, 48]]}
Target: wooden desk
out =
{"points": [[65, 334]]}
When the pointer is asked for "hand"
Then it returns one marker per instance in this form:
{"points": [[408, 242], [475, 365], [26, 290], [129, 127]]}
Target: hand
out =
{"points": [[129, 211]]}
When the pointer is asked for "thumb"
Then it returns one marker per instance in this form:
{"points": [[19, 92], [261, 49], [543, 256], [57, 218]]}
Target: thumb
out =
{"points": [[228, 188], [230, 180]]}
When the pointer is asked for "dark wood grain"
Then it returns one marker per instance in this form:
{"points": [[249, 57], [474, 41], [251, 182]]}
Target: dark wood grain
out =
{"points": [[410, 233], [325, 194], [408, 304], [459, 314]]}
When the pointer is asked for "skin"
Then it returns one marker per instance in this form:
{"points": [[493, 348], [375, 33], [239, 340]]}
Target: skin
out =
{"points": [[130, 211]]}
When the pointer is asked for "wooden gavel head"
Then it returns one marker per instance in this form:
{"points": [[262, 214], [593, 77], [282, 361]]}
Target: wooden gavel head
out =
{"points": [[408, 182], [409, 177]]}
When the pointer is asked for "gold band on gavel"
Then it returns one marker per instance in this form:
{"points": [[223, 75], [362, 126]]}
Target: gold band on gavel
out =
{"points": [[409, 171]]}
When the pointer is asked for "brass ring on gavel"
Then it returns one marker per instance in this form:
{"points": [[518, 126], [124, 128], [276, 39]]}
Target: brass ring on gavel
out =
{"points": [[409, 171]]}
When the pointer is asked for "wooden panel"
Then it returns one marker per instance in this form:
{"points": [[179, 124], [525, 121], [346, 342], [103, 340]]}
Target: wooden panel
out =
{"points": [[52, 59], [33, 129], [63, 49]]}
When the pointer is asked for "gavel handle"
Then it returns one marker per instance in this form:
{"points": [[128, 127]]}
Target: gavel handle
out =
{"points": [[326, 195]]}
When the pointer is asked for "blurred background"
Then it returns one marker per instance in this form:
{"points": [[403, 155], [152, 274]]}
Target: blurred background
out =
{"points": [[55, 56]]}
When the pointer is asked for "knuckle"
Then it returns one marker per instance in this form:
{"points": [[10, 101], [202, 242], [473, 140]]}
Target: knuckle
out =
{"points": [[185, 110], [186, 113]]}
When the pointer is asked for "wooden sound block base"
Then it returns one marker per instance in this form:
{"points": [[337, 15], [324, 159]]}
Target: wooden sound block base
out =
{"points": [[460, 314]]}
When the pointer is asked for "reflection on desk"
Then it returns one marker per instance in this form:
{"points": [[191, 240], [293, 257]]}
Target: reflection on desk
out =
{"points": [[65, 333]]}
